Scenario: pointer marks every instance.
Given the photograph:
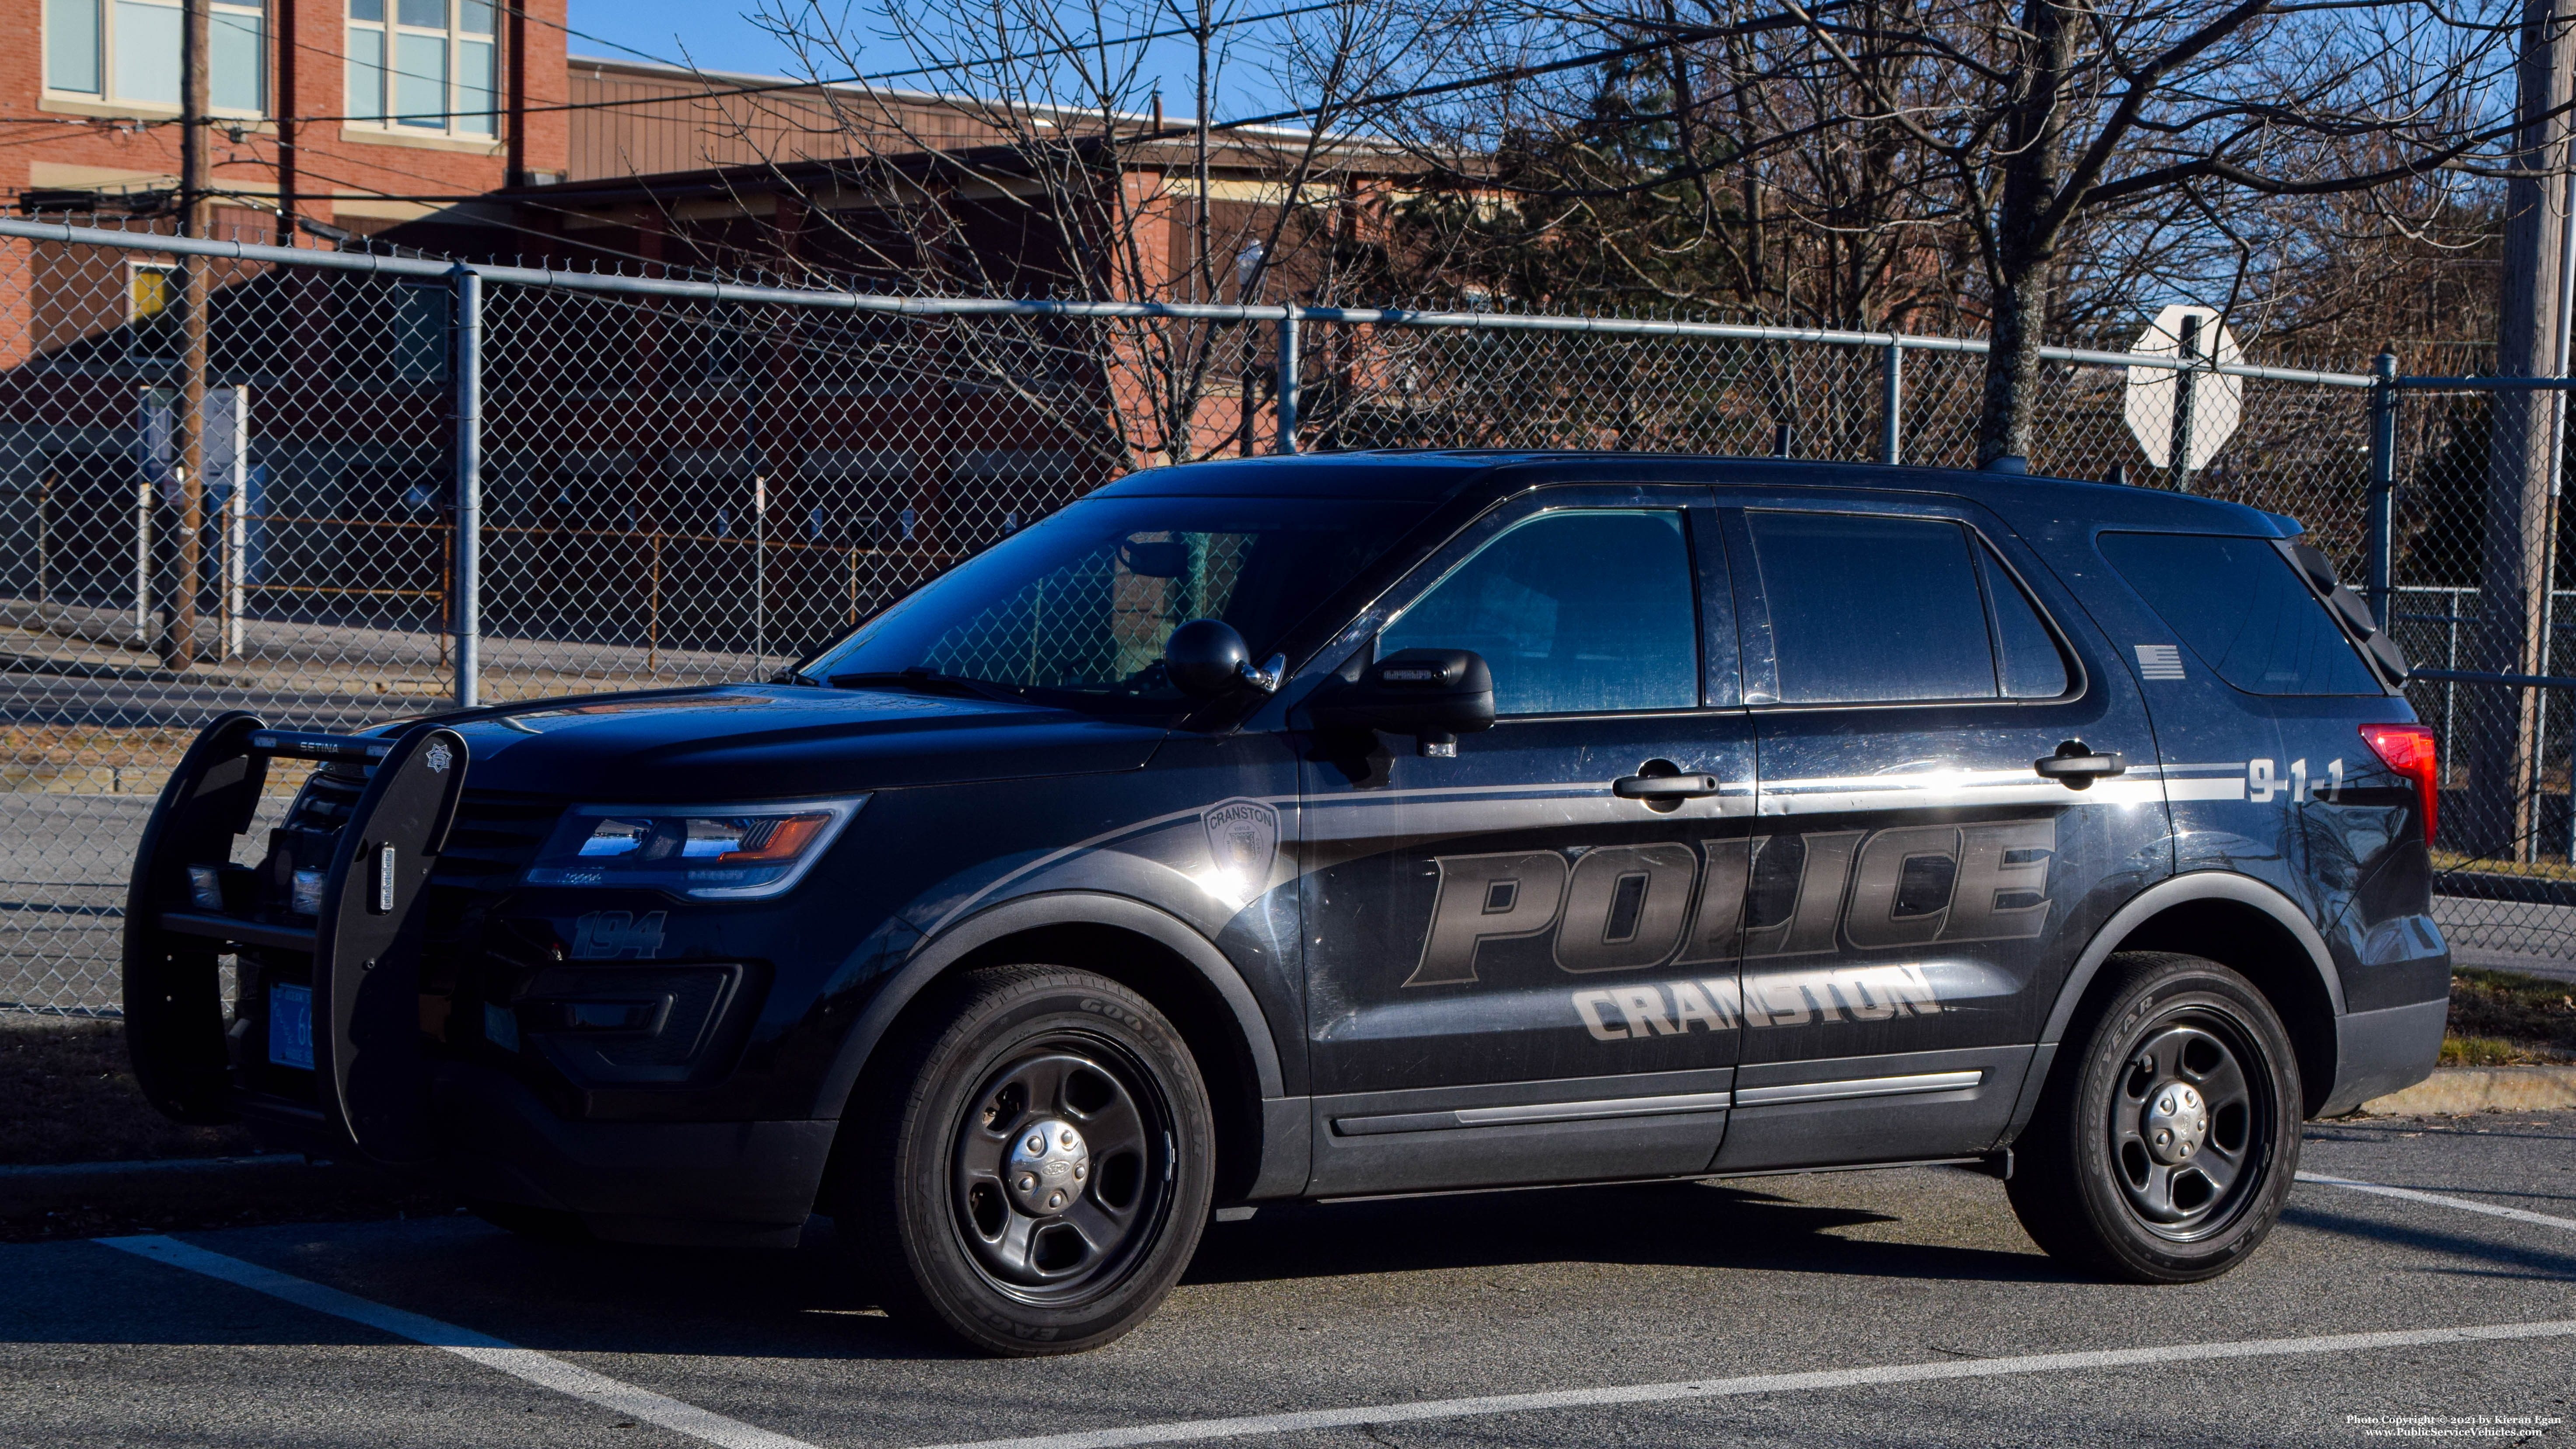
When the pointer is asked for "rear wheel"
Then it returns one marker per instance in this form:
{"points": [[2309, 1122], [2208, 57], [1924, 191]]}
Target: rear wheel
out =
{"points": [[2166, 1144], [1031, 1173]]}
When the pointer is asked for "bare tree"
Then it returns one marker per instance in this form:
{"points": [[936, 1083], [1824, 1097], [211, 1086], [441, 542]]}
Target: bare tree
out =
{"points": [[2037, 165], [1033, 153]]}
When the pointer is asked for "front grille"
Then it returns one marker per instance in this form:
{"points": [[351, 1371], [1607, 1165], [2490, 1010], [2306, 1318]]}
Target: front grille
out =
{"points": [[495, 835]]}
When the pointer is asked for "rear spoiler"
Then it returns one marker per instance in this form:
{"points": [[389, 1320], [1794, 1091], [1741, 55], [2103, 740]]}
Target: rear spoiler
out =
{"points": [[183, 910]]}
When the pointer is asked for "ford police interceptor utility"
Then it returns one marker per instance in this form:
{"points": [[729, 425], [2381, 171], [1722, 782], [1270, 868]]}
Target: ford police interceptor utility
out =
{"points": [[1382, 823]]}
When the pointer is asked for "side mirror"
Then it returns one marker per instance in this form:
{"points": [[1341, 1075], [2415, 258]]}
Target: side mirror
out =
{"points": [[1434, 694], [1205, 658]]}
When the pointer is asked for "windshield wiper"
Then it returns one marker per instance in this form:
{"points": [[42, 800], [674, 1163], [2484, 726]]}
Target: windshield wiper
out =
{"points": [[926, 681]]}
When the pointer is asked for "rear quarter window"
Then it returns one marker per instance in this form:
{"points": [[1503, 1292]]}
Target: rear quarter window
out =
{"points": [[2240, 606]]}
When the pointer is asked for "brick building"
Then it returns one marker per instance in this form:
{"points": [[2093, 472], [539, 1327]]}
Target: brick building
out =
{"points": [[354, 115], [644, 464]]}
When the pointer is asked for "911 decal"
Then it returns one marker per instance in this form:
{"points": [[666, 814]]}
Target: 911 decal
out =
{"points": [[2262, 783], [1632, 907]]}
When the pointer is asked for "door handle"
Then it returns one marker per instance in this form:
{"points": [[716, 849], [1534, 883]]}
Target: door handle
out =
{"points": [[2077, 766], [1663, 787]]}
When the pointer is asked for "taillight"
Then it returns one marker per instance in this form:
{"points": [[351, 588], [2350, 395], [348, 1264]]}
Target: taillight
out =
{"points": [[2408, 749]]}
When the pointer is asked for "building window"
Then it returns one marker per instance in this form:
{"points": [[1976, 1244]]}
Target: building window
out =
{"points": [[423, 65], [128, 50]]}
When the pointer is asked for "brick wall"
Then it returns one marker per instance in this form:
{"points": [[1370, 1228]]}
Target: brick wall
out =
{"points": [[341, 175]]}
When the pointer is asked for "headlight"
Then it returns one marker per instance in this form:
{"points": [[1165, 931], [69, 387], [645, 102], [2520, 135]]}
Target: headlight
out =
{"points": [[707, 852]]}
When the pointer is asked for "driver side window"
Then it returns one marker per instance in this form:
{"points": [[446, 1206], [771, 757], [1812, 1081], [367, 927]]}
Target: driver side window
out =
{"points": [[1579, 612]]}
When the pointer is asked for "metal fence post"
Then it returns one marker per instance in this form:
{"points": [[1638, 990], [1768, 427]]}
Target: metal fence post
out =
{"points": [[1288, 371], [469, 486], [2186, 392], [1891, 401], [2383, 483]]}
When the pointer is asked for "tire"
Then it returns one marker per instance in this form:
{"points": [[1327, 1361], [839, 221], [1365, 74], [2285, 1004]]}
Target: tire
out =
{"points": [[1031, 1169], [2168, 1135]]}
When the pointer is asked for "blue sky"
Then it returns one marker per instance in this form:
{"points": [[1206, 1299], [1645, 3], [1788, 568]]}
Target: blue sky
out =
{"points": [[715, 36]]}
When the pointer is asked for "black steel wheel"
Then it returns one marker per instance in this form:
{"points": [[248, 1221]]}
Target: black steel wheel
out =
{"points": [[1058, 1168], [2168, 1135], [2185, 1126], [1030, 1170]]}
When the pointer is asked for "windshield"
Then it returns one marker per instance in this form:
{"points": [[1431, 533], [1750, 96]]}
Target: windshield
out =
{"points": [[1074, 610]]}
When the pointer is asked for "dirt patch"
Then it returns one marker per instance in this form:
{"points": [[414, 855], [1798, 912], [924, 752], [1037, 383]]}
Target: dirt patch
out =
{"points": [[2506, 1019], [43, 1208], [68, 1094]]}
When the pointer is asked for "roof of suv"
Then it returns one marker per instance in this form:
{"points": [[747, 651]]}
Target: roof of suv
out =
{"points": [[1439, 477]]}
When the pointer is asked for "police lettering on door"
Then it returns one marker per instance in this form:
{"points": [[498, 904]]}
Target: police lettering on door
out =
{"points": [[1629, 907]]}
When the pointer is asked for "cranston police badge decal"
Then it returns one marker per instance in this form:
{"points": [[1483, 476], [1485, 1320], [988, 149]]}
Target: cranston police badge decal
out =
{"points": [[1243, 839]]}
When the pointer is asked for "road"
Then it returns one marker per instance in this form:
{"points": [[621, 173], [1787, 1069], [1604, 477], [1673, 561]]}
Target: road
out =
{"points": [[1911, 1300]]}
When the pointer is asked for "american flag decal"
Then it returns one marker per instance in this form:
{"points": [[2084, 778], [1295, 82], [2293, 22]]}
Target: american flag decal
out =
{"points": [[2160, 661]]}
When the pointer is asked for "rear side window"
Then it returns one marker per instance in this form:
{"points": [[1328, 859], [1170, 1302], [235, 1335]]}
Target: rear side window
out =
{"points": [[1871, 610], [1578, 612], [2243, 609], [2027, 660]]}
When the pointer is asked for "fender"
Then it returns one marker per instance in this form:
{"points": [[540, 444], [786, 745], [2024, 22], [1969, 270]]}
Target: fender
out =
{"points": [[2199, 885], [1061, 908]]}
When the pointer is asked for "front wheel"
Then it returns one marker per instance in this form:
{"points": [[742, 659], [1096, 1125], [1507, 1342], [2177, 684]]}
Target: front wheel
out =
{"points": [[2166, 1145], [1032, 1171]]}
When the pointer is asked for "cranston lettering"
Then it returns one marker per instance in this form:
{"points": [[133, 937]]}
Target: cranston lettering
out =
{"points": [[1782, 998], [1634, 907]]}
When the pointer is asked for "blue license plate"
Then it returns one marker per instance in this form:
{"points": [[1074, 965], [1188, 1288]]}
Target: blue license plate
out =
{"points": [[290, 1026]]}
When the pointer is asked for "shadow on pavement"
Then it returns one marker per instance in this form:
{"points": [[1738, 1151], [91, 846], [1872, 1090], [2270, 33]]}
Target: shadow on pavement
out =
{"points": [[1677, 1224], [815, 1303]]}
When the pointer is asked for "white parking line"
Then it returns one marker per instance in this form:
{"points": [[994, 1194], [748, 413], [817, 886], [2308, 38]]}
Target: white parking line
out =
{"points": [[553, 1373], [1192, 1430], [537, 1368], [2409, 1194]]}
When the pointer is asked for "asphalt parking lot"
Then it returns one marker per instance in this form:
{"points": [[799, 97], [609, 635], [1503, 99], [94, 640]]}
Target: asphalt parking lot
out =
{"points": [[1898, 1307]]}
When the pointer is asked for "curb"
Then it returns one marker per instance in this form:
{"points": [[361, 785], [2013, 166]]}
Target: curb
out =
{"points": [[2453, 1091]]}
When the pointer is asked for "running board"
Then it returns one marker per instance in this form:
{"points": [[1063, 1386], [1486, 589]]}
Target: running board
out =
{"points": [[1529, 1114], [1851, 1088], [1613, 1108], [182, 914]]}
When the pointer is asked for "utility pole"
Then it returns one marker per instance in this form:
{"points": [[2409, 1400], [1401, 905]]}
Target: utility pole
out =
{"points": [[188, 430], [2513, 579], [283, 108]]}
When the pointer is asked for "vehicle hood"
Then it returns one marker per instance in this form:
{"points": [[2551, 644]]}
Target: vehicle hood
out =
{"points": [[758, 742]]}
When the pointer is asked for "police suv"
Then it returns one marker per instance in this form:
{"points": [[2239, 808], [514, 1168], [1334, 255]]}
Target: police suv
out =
{"points": [[1347, 825]]}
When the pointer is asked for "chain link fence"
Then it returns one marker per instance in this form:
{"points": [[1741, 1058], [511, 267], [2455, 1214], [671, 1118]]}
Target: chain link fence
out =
{"points": [[2482, 598], [417, 484]]}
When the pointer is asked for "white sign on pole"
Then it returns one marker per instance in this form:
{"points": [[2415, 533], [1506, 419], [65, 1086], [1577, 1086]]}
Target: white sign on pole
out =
{"points": [[2155, 393]]}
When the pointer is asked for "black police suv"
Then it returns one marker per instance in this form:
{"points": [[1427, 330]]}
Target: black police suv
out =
{"points": [[1381, 823]]}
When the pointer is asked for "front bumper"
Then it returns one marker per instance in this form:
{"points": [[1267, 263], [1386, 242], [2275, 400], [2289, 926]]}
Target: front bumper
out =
{"points": [[708, 1184]]}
